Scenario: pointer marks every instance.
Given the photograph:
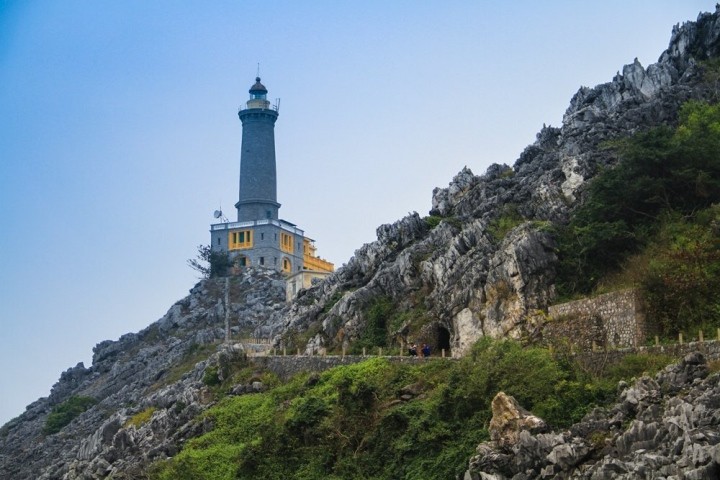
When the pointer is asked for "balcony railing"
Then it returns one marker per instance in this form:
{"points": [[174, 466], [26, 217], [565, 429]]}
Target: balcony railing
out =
{"points": [[317, 263], [256, 223]]}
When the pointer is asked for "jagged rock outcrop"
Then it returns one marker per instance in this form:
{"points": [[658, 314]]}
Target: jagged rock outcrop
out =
{"points": [[452, 267], [509, 419], [661, 427], [158, 370]]}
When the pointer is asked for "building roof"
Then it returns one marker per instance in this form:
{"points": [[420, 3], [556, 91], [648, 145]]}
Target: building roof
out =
{"points": [[258, 87]]}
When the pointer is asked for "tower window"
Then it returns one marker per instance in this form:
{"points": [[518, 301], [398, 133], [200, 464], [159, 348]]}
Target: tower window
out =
{"points": [[286, 242], [262, 260], [240, 239], [262, 236]]}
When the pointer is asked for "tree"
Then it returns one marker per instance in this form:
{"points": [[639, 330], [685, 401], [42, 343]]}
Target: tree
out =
{"points": [[210, 263], [660, 170]]}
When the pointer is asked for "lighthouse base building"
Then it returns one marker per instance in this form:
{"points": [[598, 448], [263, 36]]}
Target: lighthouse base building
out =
{"points": [[259, 237]]}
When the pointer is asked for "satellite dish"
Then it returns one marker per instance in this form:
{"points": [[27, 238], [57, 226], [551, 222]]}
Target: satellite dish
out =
{"points": [[217, 213]]}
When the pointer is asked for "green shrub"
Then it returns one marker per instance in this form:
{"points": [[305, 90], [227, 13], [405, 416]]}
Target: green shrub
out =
{"points": [[211, 377], [683, 277], [61, 415], [350, 423], [636, 365], [660, 171], [375, 332], [433, 221], [305, 416]]}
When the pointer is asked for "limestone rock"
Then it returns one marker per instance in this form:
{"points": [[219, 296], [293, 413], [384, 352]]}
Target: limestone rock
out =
{"points": [[135, 374], [509, 419], [661, 427], [451, 267]]}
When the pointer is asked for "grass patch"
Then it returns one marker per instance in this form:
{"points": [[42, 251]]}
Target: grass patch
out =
{"points": [[508, 219], [194, 354], [140, 418]]}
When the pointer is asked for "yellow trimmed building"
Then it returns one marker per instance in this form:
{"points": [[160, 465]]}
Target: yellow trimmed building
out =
{"points": [[259, 237]]}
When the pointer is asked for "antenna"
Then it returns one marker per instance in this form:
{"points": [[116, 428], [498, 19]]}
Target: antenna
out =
{"points": [[258, 70], [219, 214]]}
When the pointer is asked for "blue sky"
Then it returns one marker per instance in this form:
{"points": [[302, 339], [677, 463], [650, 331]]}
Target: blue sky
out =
{"points": [[119, 134]]}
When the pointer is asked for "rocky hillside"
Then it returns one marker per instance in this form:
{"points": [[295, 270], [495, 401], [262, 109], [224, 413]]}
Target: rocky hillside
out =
{"points": [[661, 427], [459, 272], [160, 367], [482, 263]]}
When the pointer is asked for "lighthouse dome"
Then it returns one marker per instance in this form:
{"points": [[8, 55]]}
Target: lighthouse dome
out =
{"points": [[258, 88]]}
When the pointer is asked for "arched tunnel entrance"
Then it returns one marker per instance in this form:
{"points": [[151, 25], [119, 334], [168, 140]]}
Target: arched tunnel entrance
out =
{"points": [[437, 336], [442, 339]]}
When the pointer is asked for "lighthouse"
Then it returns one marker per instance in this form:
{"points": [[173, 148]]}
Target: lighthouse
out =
{"points": [[260, 237], [258, 173]]}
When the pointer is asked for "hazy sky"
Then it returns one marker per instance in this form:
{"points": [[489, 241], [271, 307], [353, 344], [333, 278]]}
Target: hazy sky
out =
{"points": [[119, 134]]}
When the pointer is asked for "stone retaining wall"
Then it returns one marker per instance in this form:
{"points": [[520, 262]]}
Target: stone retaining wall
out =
{"points": [[614, 320]]}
